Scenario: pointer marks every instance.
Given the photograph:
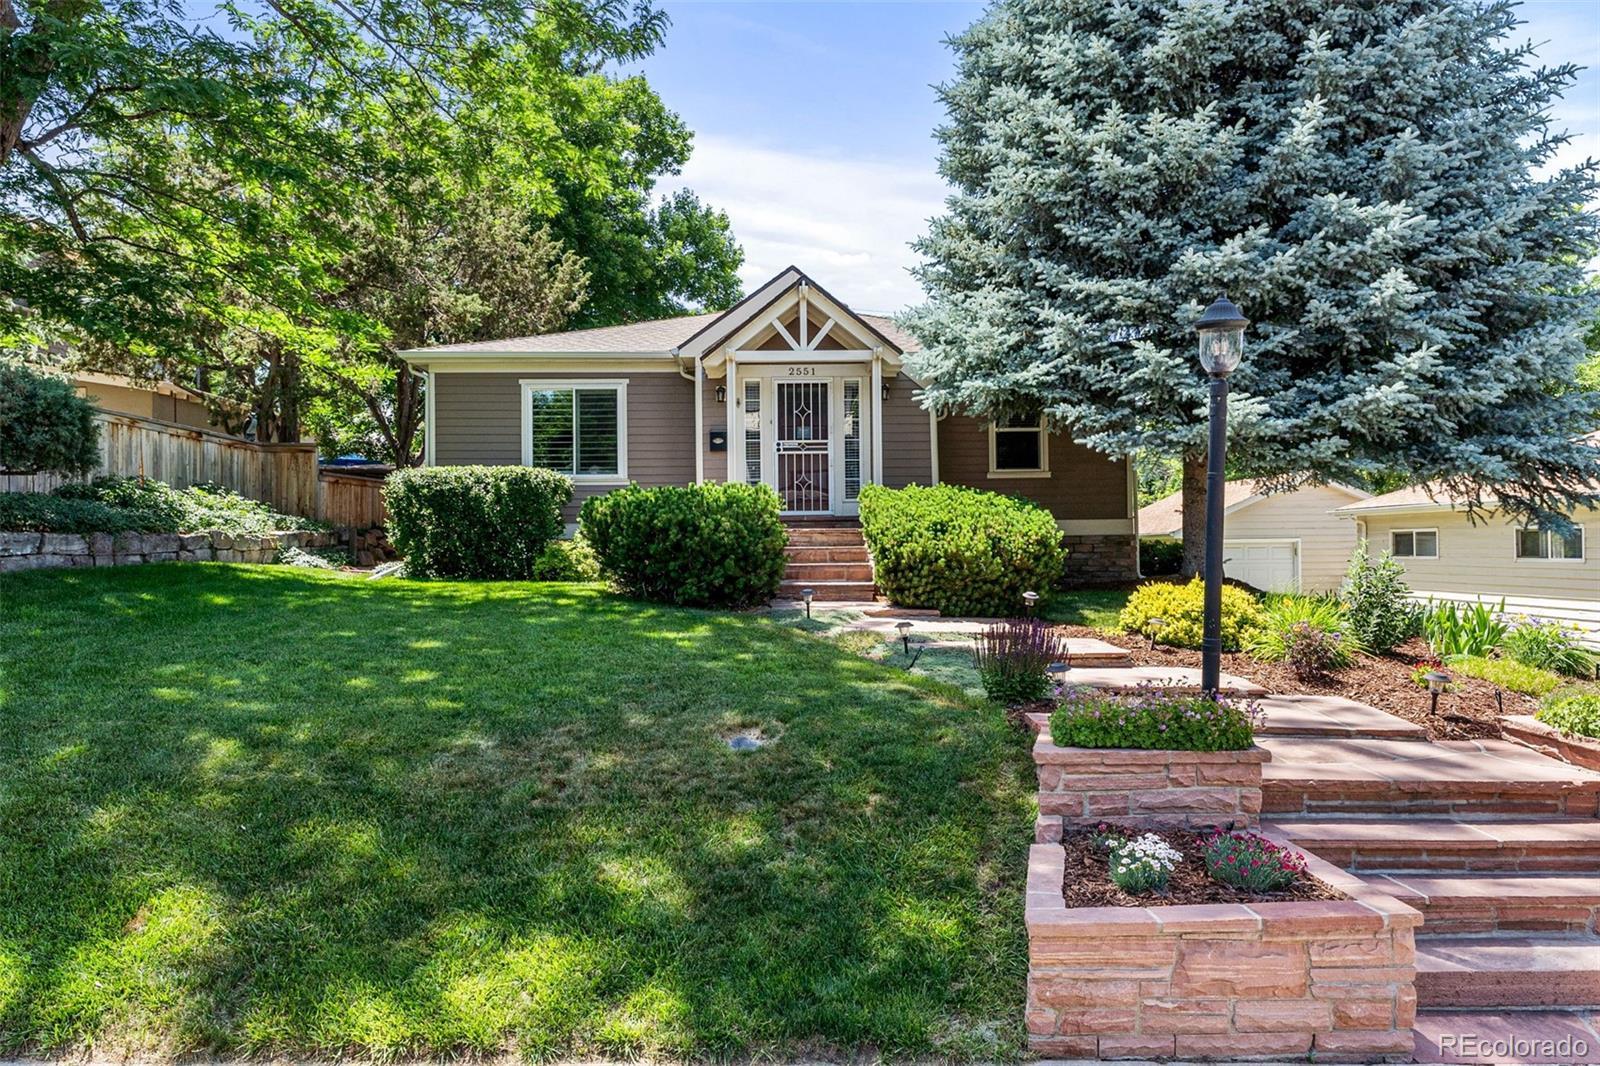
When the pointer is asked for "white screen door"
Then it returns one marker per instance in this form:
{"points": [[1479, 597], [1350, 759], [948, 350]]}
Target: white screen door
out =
{"points": [[803, 445]]}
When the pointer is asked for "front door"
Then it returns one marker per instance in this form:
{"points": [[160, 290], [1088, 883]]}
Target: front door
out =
{"points": [[803, 446]]}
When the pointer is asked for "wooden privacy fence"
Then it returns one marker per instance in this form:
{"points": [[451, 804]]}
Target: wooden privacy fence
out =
{"points": [[284, 476]]}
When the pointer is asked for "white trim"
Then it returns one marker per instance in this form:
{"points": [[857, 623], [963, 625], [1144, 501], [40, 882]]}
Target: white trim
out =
{"points": [[757, 355], [1415, 530], [700, 425], [429, 421], [933, 445], [1516, 540], [735, 405], [618, 385], [1043, 470], [876, 404], [1299, 552]]}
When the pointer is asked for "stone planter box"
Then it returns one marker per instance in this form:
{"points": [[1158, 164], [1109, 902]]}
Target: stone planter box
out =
{"points": [[1329, 979], [1156, 789], [34, 551], [1579, 751]]}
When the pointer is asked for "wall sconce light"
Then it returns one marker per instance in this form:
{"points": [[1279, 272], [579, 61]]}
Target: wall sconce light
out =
{"points": [[885, 390], [722, 394]]}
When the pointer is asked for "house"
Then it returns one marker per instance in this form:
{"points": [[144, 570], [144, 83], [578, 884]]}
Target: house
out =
{"points": [[1277, 542], [789, 387], [1447, 556], [164, 401]]}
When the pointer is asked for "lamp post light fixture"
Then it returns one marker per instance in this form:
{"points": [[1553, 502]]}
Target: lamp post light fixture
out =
{"points": [[905, 635], [1221, 331], [1438, 681], [808, 595], [1029, 601]]}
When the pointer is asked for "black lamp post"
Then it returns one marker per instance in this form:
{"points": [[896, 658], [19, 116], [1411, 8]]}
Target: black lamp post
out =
{"points": [[1221, 331]]}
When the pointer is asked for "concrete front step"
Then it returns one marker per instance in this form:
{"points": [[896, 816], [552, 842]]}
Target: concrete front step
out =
{"points": [[805, 573], [830, 591], [806, 537], [1444, 844], [1309, 775], [1175, 678], [1496, 902], [826, 555], [1508, 971], [1511, 1036], [1332, 716]]}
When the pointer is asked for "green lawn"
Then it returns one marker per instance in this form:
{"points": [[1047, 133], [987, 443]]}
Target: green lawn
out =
{"points": [[260, 809], [1086, 607]]}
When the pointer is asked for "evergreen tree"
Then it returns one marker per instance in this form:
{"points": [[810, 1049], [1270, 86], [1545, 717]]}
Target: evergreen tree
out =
{"points": [[1363, 177]]}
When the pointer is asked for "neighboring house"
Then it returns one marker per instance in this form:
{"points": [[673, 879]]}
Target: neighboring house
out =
{"points": [[1537, 572], [789, 388], [161, 400], [1282, 542]]}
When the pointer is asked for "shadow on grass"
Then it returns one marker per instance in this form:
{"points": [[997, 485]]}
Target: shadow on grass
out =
{"points": [[268, 810]]}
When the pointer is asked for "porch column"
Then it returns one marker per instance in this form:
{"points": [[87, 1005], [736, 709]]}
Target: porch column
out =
{"points": [[699, 423], [877, 416], [733, 408]]}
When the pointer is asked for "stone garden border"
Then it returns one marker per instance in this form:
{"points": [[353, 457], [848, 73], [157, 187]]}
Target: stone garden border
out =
{"points": [[1329, 978], [34, 551], [1577, 750]]}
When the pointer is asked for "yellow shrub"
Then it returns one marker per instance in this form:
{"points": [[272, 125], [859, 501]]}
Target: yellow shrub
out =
{"points": [[1181, 609]]}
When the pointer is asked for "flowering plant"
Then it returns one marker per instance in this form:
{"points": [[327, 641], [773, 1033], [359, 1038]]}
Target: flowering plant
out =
{"points": [[1154, 718], [1143, 865], [1250, 861]]}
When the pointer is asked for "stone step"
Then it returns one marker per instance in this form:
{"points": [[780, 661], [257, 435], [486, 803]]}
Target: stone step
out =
{"points": [[1312, 775], [828, 536], [1444, 844], [1508, 971], [1136, 678], [806, 573], [826, 555], [1512, 1036], [1332, 716], [830, 591], [1495, 902]]}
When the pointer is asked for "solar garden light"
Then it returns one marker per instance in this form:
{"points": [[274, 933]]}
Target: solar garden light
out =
{"points": [[808, 595], [1437, 681], [1029, 600], [1155, 625], [905, 635], [1221, 330]]}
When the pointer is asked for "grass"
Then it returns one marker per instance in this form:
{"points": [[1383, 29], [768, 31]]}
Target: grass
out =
{"points": [[277, 811], [1508, 674], [1087, 607]]}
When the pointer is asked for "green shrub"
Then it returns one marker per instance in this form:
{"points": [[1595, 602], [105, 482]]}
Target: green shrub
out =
{"points": [[475, 521], [40, 512], [1013, 659], [1548, 646], [135, 505], [1572, 711], [718, 545], [1153, 718], [960, 551], [567, 560], [1310, 633], [1380, 609], [1457, 629], [1160, 556], [44, 424], [1507, 673], [1181, 613]]}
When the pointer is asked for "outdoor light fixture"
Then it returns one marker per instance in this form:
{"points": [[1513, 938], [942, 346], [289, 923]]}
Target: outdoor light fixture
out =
{"points": [[1155, 625], [905, 635], [807, 595], [1437, 681], [722, 394], [885, 390], [1221, 331], [1029, 600]]}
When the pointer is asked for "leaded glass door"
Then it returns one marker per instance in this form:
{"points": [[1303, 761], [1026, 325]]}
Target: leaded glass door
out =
{"points": [[802, 445]]}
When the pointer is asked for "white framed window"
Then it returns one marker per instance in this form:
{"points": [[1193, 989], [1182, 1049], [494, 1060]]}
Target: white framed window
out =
{"points": [[1545, 544], [752, 431], [1414, 543], [1019, 447], [579, 428]]}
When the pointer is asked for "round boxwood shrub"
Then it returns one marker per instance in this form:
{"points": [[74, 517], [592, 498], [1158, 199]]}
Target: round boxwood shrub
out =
{"points": [[1181, 610], [44, 424], [475, 521], [960, 551], [712, 545]]}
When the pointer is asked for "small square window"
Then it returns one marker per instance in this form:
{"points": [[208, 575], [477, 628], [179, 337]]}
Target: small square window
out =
{"points": [[1530, 544], [1571, 544], [1544, 544], [1017, 446], [1404, 544], [1414, 544], [1427, 544]]}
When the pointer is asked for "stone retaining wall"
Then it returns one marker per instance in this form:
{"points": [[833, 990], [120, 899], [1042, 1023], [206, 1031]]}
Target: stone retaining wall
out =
{"points": [[1100, 559], [33, 551], [1166, 789], [1577, 750], [1330, 979]]}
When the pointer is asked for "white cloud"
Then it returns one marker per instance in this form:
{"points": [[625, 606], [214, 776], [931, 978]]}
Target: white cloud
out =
{"points": [[848, 223]]}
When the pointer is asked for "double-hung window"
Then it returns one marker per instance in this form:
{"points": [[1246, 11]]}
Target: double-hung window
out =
{"points": [[1414, 543], [1019, 447], [579, 428], [1544, 544]]}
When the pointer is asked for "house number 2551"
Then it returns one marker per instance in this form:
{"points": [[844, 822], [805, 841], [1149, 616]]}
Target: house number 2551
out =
{"points": [[802, 371]]}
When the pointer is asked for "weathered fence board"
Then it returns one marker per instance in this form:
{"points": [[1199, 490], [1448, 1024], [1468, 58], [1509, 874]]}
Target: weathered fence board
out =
{"points": [[351, 500]]}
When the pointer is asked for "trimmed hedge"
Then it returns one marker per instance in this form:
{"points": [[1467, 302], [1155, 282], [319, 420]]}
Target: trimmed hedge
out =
{"points": [[44, 423], [1181, 609], [960, 551], [711, 545], [475, 521]]}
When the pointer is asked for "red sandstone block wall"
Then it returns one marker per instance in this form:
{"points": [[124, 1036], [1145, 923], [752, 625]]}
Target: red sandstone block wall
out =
{"points": [[1157, 789]]}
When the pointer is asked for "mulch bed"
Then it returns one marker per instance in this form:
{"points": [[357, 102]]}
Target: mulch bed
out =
{"points": [[1384, 681], [1088, 884]]}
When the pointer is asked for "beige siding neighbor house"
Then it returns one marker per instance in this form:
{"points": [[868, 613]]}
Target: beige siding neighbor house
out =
{"points": [[1447, 556], [788, 388], [1281, 542]]}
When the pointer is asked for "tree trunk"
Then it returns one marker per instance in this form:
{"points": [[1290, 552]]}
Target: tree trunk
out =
{"points": [[1194, 514]]}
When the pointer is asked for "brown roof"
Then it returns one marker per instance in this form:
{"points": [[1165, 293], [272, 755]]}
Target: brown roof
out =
{"points": [[1425, 497], [885, 325], [658, 336], [1165, 516]]}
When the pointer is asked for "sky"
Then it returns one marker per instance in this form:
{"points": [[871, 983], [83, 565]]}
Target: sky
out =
{"points": [[814, 125]]}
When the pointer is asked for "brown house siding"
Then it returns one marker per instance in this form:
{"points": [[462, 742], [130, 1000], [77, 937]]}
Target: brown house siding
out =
{"points": [[478, 419], [907, 442], [1082, 484]]}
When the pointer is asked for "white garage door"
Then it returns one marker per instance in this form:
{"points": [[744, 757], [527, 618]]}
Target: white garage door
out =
{"points": [[1268, 565]]}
